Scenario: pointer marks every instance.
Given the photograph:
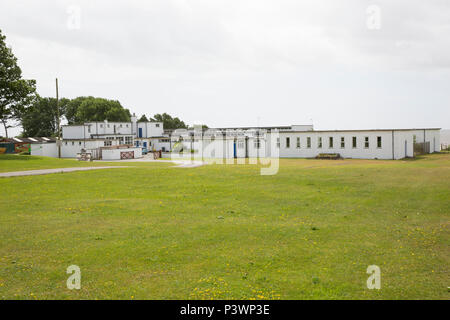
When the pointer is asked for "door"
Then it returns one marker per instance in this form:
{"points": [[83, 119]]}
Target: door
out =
{"points": [[140, 132], [406, 148], [145, 144], [234, 149], [246, 147]]}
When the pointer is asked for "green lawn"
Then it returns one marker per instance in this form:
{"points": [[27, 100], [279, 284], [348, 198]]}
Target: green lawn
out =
{"points": [[226, 232], [15, 162]]}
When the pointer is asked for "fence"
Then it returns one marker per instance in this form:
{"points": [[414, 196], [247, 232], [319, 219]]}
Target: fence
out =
{"points": [[421, 148]]}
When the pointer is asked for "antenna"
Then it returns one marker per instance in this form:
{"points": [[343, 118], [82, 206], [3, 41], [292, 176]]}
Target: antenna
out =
{"points": [[57, 121]]}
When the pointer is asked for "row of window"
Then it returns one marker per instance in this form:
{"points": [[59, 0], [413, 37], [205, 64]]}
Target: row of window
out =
{"points": [[108, 141], [120, 126], [122, 140], [126, 125], [330, 142], [73, 143]]}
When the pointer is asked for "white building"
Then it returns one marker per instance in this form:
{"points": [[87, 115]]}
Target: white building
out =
{"points": [[116, 140], [302, 141], [104, 140]]}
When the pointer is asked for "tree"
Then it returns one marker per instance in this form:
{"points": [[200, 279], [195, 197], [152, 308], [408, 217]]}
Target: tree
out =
{"points": [[72, 108], [168, 121], [16, 94], [85, 109], [41, 119], [143, 119]]}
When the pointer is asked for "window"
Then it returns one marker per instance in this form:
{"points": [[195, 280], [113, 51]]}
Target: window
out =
{"points": [[127, 125], [128, 140], [107, 143], [157, 125], [101, 126], [278, 143], [308, 142], [73, 143], [120, 125], [342, 142], [319, 142], [89, 129], [378, 142], [330, 142], [353, 142], [107, 125], [288, 142], [241, 145], [414, 138], [366, 142], [65, 143], [79, 143], [257, 144], [298, 142]]}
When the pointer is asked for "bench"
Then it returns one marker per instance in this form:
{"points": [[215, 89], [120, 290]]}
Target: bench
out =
{"points": [[329, 156]]}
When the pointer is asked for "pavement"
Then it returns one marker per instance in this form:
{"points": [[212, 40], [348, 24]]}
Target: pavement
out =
{"points": [[179, 164], [49, 171]]}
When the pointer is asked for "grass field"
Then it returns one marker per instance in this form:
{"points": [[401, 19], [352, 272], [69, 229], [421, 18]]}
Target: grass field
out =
{"points": [[226, 232]]}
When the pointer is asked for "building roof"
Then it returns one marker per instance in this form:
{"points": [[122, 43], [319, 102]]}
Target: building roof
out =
{"points": [[103, 122], [30, 140], [253, 128], [365, 130], [112, 134]]}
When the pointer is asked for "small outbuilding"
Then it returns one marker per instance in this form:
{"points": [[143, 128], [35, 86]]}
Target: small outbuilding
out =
{"points": [[18, 145]]}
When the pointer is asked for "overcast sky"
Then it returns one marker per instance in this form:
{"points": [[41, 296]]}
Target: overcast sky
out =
{"points": [[347, 64]]}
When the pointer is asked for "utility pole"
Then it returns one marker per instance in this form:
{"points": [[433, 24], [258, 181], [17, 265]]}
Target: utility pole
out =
{"points": [[58, 141]]}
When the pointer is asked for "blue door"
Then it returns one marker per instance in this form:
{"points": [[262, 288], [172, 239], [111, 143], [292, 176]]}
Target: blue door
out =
{"points": [[145, 144], [234, 149], [140, 132]]}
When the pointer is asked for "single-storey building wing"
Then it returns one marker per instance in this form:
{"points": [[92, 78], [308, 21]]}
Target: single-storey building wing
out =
{"points": [[360, 144], [304, 142], [18, 145]]}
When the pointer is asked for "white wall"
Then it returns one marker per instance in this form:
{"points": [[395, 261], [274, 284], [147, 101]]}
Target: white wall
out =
{"points": [[403, 143], [69, 148], [44, 149], [73, 132], [114, 154], [98, 128], [158, 145], [372, 152], [151, 129]]}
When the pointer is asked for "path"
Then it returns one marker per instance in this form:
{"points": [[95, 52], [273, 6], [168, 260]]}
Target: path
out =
{"points": [[49, 171], [179, 163]]}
